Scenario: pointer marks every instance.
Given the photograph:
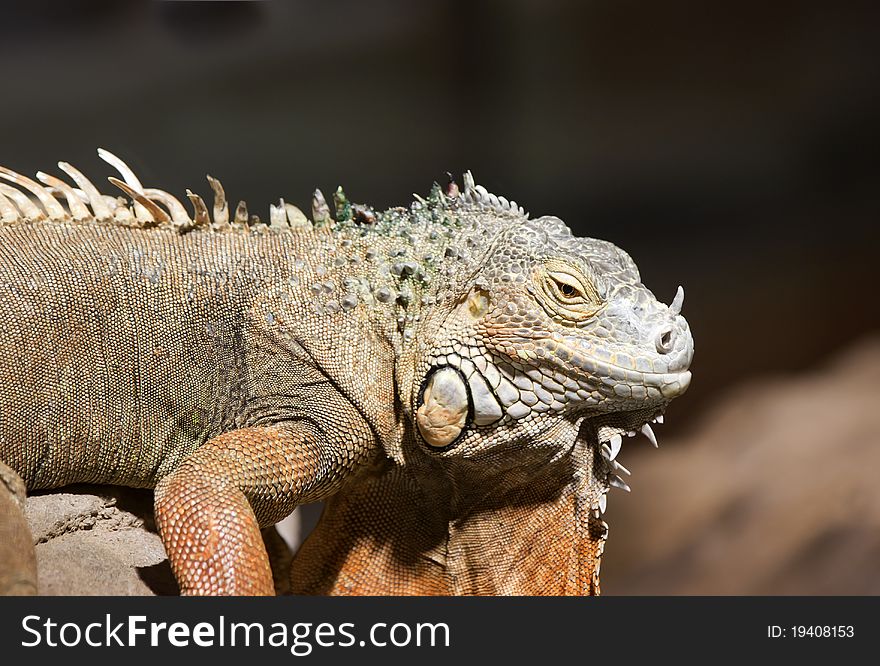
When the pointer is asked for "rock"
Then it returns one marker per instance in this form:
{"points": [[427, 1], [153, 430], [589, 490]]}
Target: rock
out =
{"points": [[102, 540], [96, 540]]}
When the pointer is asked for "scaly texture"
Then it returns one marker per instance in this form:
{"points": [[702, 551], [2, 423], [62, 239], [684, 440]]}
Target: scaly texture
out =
{"points": [[454, 378]]}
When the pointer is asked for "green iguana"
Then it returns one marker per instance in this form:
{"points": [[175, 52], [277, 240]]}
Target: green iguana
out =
{"points": [[453, 378]]}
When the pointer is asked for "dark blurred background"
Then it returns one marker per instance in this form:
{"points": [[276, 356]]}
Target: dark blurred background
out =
{"points": [[731, 147]]}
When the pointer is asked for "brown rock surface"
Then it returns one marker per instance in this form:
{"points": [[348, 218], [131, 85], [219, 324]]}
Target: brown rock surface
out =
{"points": [[96, 540]]}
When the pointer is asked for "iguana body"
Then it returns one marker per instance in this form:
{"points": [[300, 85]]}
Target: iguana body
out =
{"points": [[426, 370]]}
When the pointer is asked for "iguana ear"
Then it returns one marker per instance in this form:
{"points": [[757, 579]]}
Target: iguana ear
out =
{"points": [[477, 303]]}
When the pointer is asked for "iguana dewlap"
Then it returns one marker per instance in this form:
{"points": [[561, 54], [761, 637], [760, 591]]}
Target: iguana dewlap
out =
{"points": [[453, 378]]}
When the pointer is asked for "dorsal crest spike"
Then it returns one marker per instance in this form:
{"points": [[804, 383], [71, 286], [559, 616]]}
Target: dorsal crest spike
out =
{"points": [[28, 208], [478, 195], [241, 214], [221, 208], [468, 179], [154, 212], [141, 211], [76, 205], [202, 217], [278, 215], [100, 209], [179, 216], [295, 217], [341, 204], [54, 209], [320, 209], [451, 190], [127, 174], [8, 211]]}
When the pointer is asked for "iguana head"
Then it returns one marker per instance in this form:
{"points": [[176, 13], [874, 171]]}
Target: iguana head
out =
{"points": [[550, 328], [539, 354], [552, 354]]}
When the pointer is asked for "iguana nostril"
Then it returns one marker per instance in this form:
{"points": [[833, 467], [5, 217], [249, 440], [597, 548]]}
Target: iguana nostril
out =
{"points": [[664, 341]]}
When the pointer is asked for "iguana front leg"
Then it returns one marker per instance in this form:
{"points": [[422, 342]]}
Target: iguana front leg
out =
{"points": [[210, 510]]}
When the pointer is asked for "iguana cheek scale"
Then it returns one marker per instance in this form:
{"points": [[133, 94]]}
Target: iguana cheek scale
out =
{"points": [[454, 378], [443, 412]]}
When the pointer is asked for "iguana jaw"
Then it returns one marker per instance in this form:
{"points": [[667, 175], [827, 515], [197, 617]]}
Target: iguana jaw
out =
{"points": [[471, 399]]}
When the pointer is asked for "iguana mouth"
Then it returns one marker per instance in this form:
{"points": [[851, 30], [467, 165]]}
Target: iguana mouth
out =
{"points": [[481, 390]]}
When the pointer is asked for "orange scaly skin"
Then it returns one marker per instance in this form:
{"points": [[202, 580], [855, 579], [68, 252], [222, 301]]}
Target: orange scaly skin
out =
{"points": [[205, 509], [454, 378]]}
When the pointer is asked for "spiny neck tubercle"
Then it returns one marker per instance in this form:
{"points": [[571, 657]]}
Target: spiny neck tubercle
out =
{"points": [[414, 257]]}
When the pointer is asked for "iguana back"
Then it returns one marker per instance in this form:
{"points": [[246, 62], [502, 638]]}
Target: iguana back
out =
{"points": [[125, 349]]}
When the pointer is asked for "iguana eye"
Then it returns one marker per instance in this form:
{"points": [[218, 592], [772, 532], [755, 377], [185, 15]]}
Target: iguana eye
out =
{"points": [[566, 293], [568, 290], [564, 285]]}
